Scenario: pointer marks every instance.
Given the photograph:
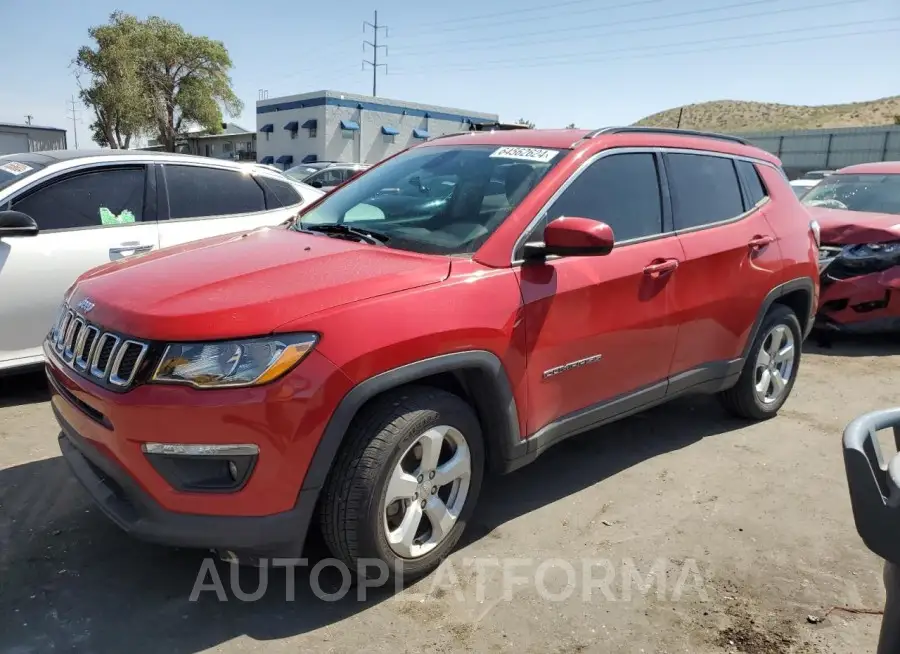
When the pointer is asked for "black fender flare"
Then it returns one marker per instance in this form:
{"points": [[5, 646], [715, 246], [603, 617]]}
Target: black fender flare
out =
{"points": [[798, 284], [503, 431]]}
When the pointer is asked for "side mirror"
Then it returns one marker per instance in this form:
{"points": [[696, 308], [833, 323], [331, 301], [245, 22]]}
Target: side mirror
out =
{"points": [[16, 223], [316, 184], [570, 237]]}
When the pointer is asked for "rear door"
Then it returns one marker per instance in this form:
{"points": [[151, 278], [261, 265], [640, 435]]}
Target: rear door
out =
{"points": [[732, 259], [86, 218], [202, 201]]}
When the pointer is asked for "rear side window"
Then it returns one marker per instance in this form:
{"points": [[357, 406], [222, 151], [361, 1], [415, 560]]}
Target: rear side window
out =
{"points": [[756, 190], [705, 189], [106, 197], [197, 192], [282, 192], [621, 190]]}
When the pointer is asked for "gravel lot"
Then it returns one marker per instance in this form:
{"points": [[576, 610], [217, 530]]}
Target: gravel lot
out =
{"points": [[747, 528]]}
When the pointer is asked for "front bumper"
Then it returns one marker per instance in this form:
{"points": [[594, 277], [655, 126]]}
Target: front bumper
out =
{"points": [[865, 304], [135, 512]]}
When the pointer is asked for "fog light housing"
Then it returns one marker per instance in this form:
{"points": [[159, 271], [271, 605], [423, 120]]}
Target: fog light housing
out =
{"points": [[202, 468]]}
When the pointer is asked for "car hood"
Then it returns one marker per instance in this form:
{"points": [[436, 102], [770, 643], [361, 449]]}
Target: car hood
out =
{"points": [[841, 227], [245, 284]]}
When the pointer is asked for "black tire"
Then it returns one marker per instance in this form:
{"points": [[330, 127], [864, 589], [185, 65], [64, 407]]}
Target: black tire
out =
{"points": [[741, 399], [352, 505]]}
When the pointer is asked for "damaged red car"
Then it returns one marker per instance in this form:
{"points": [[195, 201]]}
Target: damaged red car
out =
{"points": [[858, 211]]}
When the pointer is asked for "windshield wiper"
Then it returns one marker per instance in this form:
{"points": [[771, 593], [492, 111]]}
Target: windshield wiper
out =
{"points": [[366, 235]]}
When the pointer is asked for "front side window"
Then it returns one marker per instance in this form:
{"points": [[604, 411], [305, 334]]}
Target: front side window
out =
{"points": [[197, 192], [705, 189], [89, 199], [621, 190], [866, 192], [432, 199]]}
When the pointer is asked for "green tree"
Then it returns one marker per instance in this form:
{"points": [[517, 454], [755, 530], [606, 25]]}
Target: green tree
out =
{"points": [[152, 77], [107, 77], [187, 81], [571, 126], [527, 123]]}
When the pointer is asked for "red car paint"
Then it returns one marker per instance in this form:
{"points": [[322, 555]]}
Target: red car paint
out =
{"points": [[859, 302], [378, 309]]}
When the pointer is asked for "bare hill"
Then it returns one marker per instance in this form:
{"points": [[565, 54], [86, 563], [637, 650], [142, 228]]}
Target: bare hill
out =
{"points": [[741, 116]]}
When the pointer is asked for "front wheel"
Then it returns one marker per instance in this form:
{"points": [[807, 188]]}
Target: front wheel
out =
{"points": [[770, 368], [404, 484]]}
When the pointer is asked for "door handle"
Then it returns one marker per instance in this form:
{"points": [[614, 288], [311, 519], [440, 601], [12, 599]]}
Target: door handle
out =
{"points": [[134, 249], [759, 242], [660, 267]]}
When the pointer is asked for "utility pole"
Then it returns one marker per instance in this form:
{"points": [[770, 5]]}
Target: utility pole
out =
{"points": [[680, 114], [74, 120], [375, 47], [28, 118]]}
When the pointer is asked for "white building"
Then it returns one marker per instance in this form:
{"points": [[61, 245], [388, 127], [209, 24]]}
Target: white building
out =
{"points": [[30, 138], [336, 126]]}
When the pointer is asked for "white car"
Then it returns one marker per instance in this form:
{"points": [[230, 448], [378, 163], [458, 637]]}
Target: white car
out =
{"points": [[65, 212], [801, 186]]}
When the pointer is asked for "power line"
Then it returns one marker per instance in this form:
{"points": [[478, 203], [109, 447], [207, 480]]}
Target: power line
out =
{"points": [[75, 113], [474, 22], [492, 45], [541, 7], [656, 48], [594, 26], [375, 47]]}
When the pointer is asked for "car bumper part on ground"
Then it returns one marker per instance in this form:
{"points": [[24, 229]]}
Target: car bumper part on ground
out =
{"points": [[102, 434]]}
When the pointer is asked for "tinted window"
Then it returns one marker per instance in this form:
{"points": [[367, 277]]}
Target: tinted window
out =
{"points": [[195, 192], [285, 194], [704, 189], [108, 197], [752, 182], [621, 190]]}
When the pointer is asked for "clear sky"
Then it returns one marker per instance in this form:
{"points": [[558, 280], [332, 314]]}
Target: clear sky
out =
{"points": [[591, 62]]}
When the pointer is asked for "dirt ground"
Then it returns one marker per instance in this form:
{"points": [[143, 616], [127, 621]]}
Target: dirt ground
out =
{"points": [[719, 536]]}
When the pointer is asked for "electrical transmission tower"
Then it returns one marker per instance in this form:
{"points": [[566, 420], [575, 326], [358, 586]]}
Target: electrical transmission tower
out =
{"points": [[375, 48], [75, 113]]}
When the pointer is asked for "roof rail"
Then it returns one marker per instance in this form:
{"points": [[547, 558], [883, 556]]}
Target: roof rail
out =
{"points": [[666, 130]]}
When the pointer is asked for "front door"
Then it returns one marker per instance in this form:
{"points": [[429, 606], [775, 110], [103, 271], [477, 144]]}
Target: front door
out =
{"points": [[86, 219], [601, 328]]}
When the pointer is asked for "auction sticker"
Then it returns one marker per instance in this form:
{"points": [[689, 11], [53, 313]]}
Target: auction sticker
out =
{"points": [[539, 155], [15, 168]]}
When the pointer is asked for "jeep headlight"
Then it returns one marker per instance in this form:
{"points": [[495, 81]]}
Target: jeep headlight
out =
{"points": [[228, 364]]}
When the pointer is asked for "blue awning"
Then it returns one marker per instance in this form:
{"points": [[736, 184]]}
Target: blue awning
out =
{"points": [[286, 159], [267, 160], [387, 130], [312, 123], [310, 158], [352, 125], [267, 128], [421, 134], [292, 126]]}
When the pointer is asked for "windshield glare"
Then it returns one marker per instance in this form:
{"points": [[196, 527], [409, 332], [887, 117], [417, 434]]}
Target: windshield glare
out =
{"points": [[12, 171], [437, 199], [868, 192]]}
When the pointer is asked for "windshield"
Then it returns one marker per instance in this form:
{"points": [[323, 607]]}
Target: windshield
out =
{"points": [[874, 193], [301, 172], [11, 170], [437, 199]]}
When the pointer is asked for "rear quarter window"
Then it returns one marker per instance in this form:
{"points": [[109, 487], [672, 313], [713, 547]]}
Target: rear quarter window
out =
{"points": [[705, 189]]}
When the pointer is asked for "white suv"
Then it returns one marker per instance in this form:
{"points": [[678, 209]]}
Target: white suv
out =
{"points": [[65, 212]]}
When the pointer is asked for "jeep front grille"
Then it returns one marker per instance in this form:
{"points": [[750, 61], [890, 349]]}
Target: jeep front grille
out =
{"points": [[95, 353]]}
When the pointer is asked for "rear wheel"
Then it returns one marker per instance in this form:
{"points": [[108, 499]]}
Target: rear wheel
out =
{"points": [[770, 368], [405, 483]]}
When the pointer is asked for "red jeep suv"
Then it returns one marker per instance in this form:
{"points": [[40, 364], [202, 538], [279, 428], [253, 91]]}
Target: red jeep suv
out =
{"points": [[459, 307]]}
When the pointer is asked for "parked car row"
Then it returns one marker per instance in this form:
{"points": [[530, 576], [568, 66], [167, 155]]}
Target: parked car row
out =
{"points": [[325, 175]]}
